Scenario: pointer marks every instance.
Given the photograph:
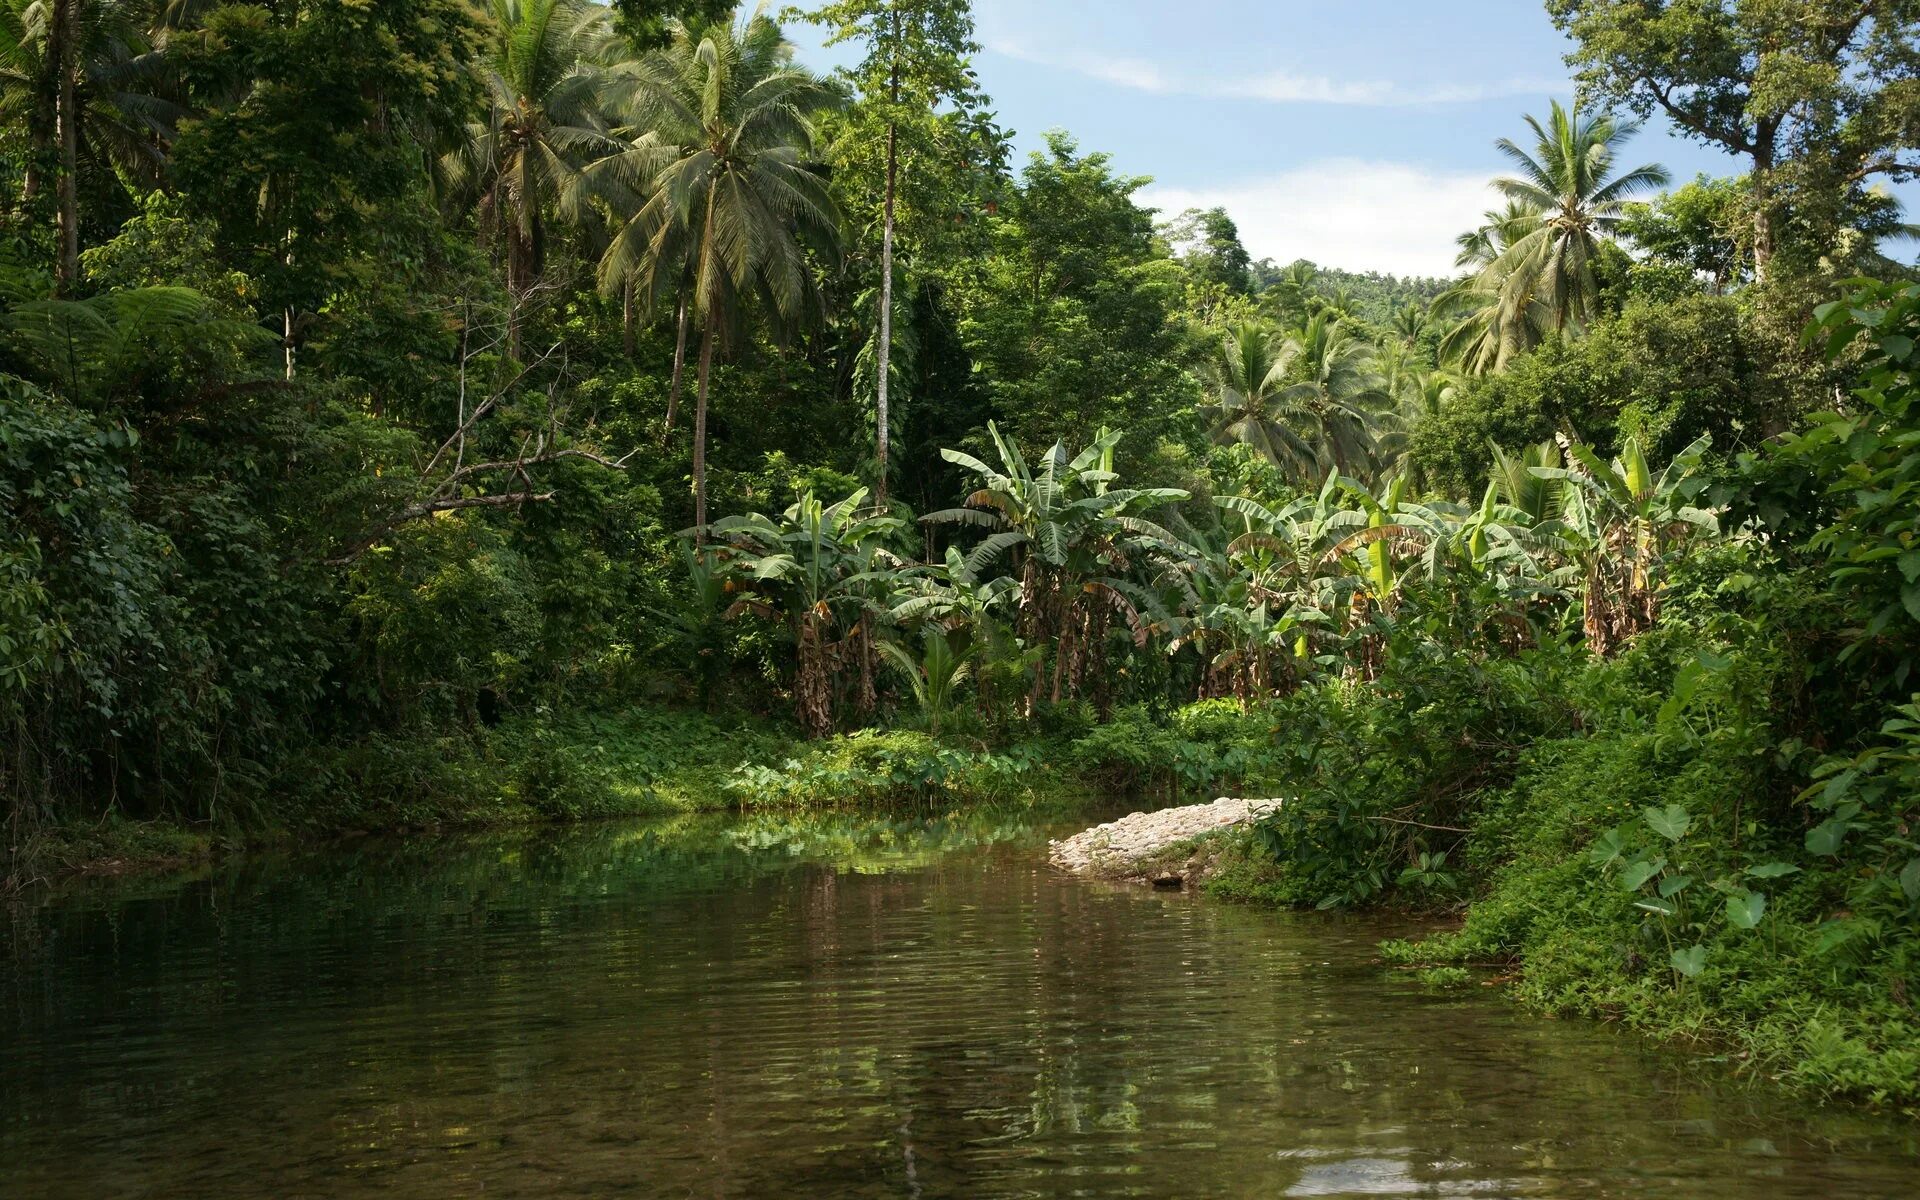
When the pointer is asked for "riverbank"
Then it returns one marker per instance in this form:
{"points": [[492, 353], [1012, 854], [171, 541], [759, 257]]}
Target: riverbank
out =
{"points": [[536, 769], [549, 768]]}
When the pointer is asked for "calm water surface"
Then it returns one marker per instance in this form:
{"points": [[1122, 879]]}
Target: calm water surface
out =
{"points": [[816, 1008]]}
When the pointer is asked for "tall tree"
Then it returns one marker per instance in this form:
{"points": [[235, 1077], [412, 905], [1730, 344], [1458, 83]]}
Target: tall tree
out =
{"points": [[724, 130], [1536, 257], [1209, 243], [1338, 393], [85, 80], [918, 55], [1816, 94], [1070, 314], [543, 77], [1568, 180], [311, 122], [1251, 374]]}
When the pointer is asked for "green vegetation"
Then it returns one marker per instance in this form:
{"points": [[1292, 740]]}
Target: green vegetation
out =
{"points": [[342, 354]]}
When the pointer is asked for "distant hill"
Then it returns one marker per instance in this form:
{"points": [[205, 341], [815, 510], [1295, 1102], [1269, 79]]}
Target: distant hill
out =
{"points": [[1372, 296]]}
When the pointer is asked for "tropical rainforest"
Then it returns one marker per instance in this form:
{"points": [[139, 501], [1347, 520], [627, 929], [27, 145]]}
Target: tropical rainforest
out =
{"points": [[419, 412]]}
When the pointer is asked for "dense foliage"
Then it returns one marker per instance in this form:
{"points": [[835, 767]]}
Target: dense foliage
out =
{"points": [[414, 413]]}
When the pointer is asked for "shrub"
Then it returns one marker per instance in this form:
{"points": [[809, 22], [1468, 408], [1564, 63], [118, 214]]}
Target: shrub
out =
{"points": [[871, 767]]}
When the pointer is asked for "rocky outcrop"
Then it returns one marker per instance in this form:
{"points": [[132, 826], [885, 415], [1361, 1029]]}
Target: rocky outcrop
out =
{"points": [[1158, 846]]}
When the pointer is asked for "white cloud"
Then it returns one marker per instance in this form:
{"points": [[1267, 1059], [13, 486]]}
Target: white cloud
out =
{"points": [[1279, 87], [1135, 73], [1283, 88], [1347, 213]]}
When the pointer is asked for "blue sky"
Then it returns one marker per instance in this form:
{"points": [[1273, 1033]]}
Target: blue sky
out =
{"points": [[1359, 135]]}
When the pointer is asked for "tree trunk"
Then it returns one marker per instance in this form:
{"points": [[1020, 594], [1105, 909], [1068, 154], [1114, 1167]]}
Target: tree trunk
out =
{"points": [[516, 255], [523, 268], [60, 35], [704, 283], [884, 359], [1763, 140], [884, 363], [679, 368], [700, 434], [626, 318]]}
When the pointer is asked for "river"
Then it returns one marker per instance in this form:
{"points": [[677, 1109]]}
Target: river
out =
{"points": [[831, 1006]]}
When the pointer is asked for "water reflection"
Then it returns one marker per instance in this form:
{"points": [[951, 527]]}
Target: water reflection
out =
{"points": [[835, 1007]]}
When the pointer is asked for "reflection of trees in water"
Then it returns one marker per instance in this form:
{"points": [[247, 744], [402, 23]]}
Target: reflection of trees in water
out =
{"points": [[772, 1006]]}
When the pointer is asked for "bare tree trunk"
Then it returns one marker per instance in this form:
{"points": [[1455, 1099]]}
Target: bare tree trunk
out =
{"points": [[626, 318], [524, 253], [884, 359], [286, 338], [700, 434], [60, 36], [706, 288], [1763, 199], [679, 368]]}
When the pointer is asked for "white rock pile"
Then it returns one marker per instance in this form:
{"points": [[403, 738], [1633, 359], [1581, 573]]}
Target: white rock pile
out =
{"points": [[1113, 848]]}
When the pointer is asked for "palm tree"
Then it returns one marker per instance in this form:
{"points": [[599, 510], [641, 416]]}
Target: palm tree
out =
{"points": [[1304, 405], [1500, 315], [1251, 374], [544, 83], [1536, 258], [722, 129], [1417, 396], [1339, 394], [85, 81], [935, 675], [1500, 228], [1409, 323], [1568, 180], [1339, 302]]}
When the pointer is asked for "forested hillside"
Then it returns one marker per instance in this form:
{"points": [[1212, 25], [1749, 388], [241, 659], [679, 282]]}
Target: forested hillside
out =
{"points": [[413, 413]]}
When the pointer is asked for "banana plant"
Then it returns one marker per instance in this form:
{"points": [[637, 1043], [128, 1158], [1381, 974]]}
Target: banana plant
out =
{"points": [[1380, 557], [1618, 526], [825, 569], [1079, 548], [1286, 551], [959, 602]]}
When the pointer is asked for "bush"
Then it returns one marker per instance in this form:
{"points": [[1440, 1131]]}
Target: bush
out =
{"points": [[1663, 868], [871, 767], [1383, 781]]}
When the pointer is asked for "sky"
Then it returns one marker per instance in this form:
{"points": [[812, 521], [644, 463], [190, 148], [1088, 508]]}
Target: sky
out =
{"points": [[1359, 135]]}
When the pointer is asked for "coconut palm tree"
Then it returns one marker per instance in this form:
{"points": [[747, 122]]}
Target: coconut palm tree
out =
{"points": [[1338, 392], [1499, 314], [1535, 259], [1569, 181], [1409, 323], [544, 82], [1417, 396], [87, 84], [720, 134], [1500, 228], [1251, 373], [1306, 404]]}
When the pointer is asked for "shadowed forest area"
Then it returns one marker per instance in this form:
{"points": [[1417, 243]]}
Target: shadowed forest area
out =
{"points": [[416, 413]]}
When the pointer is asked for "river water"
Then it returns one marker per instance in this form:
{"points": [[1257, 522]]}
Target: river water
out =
{"points": [[830, 1007]]}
